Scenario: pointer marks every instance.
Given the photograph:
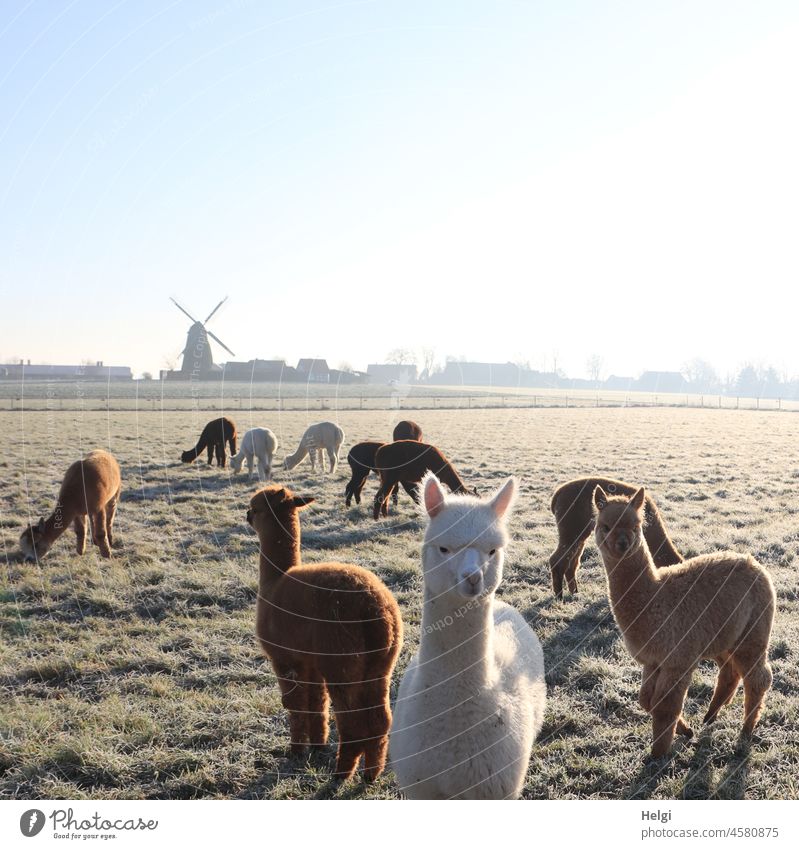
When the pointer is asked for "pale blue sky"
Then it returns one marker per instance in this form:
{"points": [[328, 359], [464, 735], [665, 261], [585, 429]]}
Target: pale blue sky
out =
{"points": [[495, 179]]}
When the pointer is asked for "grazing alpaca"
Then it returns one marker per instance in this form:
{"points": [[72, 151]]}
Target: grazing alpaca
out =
{"points": [[407, 429], [718, 606], [472, 700], [362, 462], [328, 629], [91, 487], [259, 443], [213, 438], [326, 436], [573, 508], [406, 462]]}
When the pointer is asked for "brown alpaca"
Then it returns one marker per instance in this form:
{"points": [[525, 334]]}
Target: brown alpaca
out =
{"points": [[91, 487], [718, 606], [573, 508], [332, 631], [407, 429], [406, 462], [362, 460], [213, 438]]}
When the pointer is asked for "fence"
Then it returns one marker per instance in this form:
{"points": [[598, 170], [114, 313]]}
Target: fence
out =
{"points": [[547, 399]]}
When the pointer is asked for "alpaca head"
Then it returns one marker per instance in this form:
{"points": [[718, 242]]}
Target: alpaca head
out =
{"points": [[619, 523], [235, 463], [464, 544], [32, 541], [188, 456], [273, 512]]}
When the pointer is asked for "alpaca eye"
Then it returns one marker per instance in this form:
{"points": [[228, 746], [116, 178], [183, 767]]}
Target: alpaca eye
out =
{"points": [[443, 550], [492, 552], [605, 529]]}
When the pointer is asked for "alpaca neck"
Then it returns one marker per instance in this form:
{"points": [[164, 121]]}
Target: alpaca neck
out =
{"points": [[450, 477], [57, 522], [456, 642], [279, 553], [632, 581]]}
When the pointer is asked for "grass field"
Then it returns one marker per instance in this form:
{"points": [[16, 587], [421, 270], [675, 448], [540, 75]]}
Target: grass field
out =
{"points": [[140, 677]]}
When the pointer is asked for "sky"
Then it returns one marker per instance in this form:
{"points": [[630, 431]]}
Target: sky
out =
{"points": [[526, 181]]}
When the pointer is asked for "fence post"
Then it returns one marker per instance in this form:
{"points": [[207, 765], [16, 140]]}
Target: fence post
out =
{"points": [[737, 401], [779, 403]]}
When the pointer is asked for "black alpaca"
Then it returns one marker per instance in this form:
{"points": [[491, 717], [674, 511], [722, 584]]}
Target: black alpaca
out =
{"points": [[213, 438]]}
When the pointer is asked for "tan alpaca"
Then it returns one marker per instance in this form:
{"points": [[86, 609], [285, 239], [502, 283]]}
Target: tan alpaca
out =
{"points": [[91, 486], [718, 606]]}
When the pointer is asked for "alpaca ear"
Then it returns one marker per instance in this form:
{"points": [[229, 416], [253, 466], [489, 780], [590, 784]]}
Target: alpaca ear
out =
{"points": [[40, 526], [600, 499], [434, 498], [637, 501], [504, 498], [300, 501]]}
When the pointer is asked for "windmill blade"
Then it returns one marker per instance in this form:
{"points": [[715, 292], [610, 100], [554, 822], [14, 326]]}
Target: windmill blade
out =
{"points": [[220, 342], [214, 310], [182, 310]]}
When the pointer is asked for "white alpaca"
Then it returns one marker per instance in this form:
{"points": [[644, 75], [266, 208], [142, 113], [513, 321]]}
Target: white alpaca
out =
{"points": [[324, 436], [472, 699], [260, 443]]}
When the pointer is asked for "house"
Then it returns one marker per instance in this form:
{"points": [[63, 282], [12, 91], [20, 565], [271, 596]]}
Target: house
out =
{"points": [[272, 371], [97, 371], [314, 371], [661, 381]]}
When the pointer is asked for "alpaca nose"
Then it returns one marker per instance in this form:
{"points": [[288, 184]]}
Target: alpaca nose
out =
{"points": [[474, 578]]}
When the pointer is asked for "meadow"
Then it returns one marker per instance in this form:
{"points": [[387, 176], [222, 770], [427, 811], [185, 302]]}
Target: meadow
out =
{"points": [[139, 677]]}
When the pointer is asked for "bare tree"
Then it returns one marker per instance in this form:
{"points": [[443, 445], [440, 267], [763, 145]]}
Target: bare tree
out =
{"points": [[401, 356], [346, 367], [594, 366], [428, 359]]}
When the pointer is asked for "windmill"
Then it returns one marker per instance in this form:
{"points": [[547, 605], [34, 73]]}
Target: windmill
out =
{"points": [[197, 357]]}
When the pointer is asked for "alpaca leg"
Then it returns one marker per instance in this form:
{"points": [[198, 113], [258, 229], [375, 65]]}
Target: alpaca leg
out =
{"points": [[111, 512], [756, 672], [668, 699], [317, 715], [376, 723], [573, 564], [99, 537], [380, 500], [210, 453], [726, 685], [333, 457], [649, 679], [295, 697], [411, 488], [350, 732], [221, 459], [80, 532]]}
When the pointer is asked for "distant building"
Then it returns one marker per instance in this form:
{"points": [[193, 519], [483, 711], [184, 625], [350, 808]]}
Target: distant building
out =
{"points": [[615, 383], [272, 371], [25, 371], [314, 371], [494, 374], [392, 373], [661, 381]]}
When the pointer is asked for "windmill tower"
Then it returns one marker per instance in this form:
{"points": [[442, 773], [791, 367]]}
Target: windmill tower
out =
{"points": [[197, 358]]}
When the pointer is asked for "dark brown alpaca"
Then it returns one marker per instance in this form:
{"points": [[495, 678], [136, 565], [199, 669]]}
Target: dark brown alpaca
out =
{"points": [[213, 438], [362, 460], [573, 508], [91, 487], [718, 606], [332, 632], [406, 462], [407, 429]]}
